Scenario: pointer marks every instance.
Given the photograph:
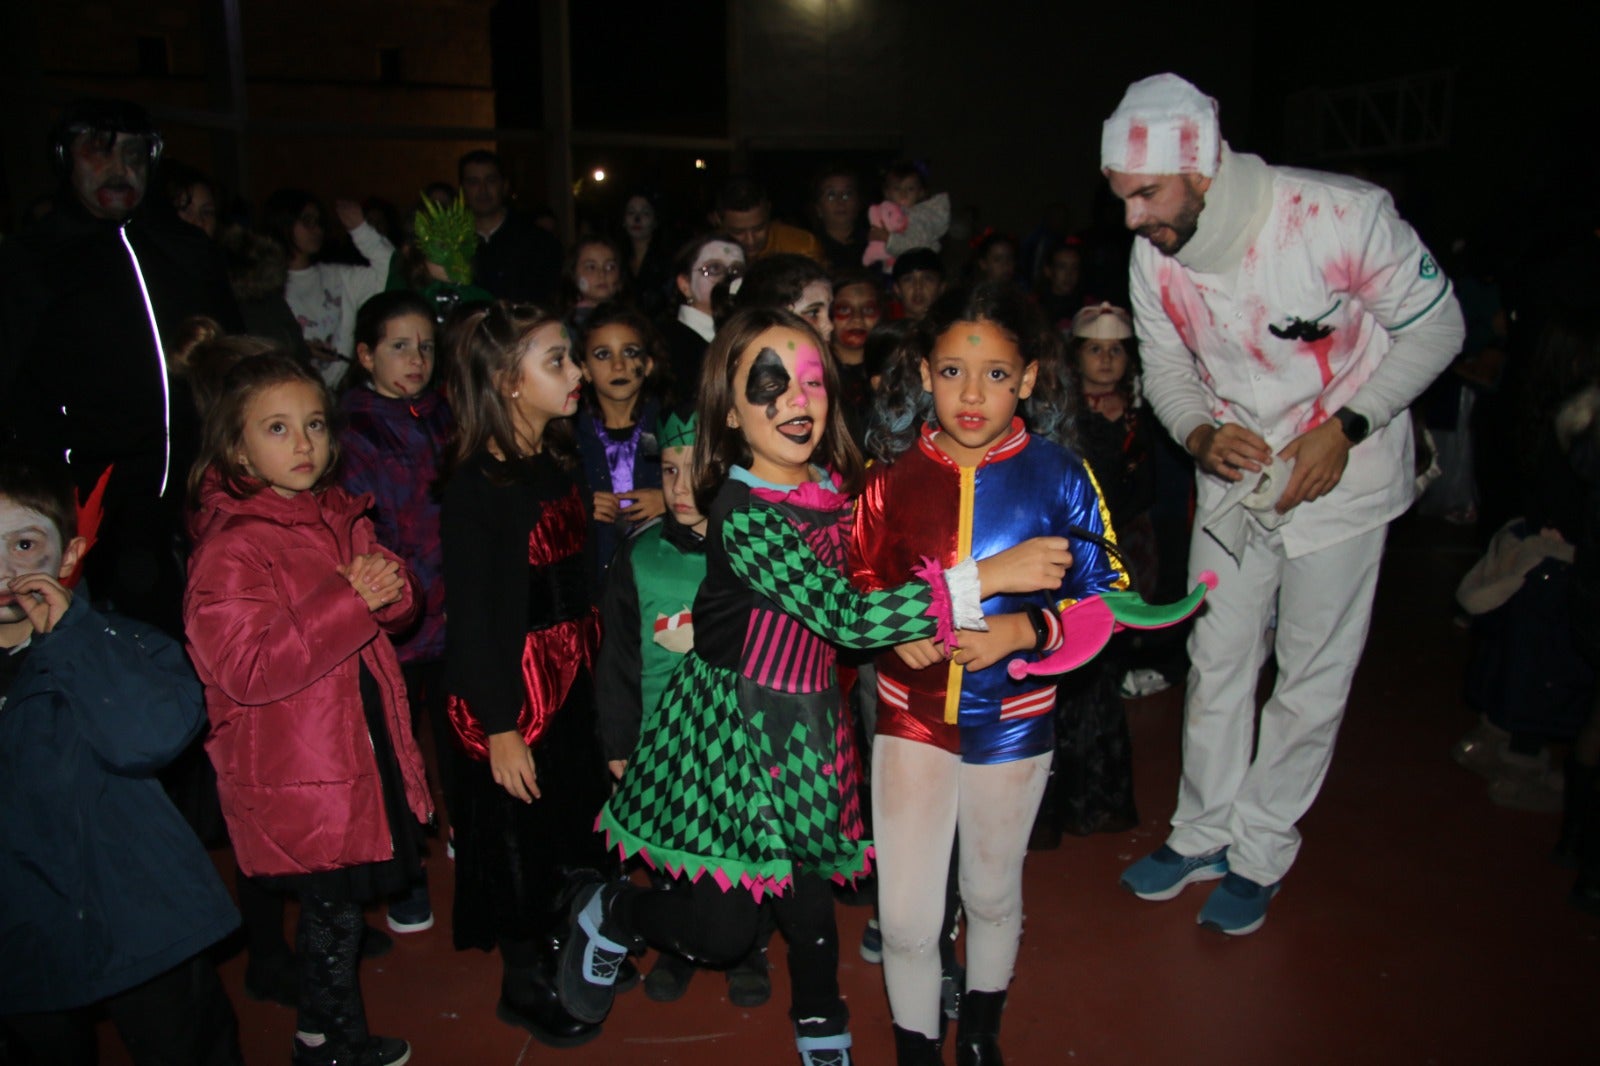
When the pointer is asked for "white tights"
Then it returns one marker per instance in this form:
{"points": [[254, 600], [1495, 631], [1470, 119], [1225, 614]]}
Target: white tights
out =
{"points": [[919, 795]]}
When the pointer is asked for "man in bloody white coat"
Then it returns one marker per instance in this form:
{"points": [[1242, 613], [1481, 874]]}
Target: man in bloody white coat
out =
{"points": [[1286, 320]]}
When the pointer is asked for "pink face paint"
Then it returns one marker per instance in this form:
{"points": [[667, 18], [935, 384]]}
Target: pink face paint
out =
{"points": [[808, 365]]}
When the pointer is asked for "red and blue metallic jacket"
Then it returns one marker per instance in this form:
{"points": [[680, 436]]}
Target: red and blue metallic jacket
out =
{"points": [[926, 505]]}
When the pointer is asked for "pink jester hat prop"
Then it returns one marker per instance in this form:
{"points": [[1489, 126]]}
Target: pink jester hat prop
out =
{"points": [[1087, 626]]}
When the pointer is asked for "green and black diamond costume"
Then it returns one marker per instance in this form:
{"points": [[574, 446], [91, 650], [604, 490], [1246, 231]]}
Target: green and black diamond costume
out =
{"points": [[745, 771]]}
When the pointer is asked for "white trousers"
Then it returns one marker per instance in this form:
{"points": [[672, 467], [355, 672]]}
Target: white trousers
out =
{"points": [[919, 794], [1324, 609]]}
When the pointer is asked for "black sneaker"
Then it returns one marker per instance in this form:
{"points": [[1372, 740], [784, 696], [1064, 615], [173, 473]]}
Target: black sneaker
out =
{"points": [[593, 955], [669, 979], [377, 1051], [748, 983]]}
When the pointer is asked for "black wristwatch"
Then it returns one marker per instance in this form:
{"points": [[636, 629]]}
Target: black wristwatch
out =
{"points": [[1356, 427]]}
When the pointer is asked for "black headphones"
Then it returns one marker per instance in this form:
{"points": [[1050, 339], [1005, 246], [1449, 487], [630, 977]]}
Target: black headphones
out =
{"points": [[101, 116]]}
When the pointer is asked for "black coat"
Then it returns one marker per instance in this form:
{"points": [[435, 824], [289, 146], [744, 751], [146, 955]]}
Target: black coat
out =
{"points": [[102, 883]]}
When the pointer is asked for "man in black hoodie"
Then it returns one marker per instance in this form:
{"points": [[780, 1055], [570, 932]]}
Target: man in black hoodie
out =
{"points": [[92, 297]]}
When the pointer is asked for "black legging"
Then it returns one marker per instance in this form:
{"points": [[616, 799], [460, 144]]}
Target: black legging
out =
{"points": [[701, 922], [328, 947]]}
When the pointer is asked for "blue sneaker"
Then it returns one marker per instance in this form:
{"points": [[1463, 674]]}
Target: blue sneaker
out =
{"points": [[872, 942], [413, 913], [592, 957], [1238, 906], [1163, 873]]}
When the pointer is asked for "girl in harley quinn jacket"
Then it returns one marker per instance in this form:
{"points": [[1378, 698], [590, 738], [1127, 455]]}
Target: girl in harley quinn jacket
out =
{"points": [[287, 610]]}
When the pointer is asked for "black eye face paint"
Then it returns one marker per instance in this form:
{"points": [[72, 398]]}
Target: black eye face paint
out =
{"points": [[768, 381]]}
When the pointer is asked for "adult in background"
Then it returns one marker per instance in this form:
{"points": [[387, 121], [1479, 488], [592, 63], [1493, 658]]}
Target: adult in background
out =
{"points": [[841, 226], [1286, 319], [649, 257], [517, 258], [744, 212], [92, 297]]}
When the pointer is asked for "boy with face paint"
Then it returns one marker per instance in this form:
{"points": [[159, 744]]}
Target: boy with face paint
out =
{"points": [[647, 627], [103, 887]]}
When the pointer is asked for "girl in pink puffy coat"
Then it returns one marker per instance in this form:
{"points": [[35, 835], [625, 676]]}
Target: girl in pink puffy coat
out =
{"points": [[288, 606]]}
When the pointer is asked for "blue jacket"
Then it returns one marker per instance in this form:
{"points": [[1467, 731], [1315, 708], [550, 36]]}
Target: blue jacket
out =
{"points": [[102, 883]]}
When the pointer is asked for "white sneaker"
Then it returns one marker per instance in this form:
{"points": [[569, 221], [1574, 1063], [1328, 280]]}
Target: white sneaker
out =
{"points": [[1137, 684]]}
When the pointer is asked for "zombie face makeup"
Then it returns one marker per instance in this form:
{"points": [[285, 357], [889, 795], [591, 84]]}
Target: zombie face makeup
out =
{"points": [[856, 310], [781, 404], [977, 377], [717, 260], [110, 173], [615, 362], [401, 364], [1164, 209], [545, 382], [29, 544]]}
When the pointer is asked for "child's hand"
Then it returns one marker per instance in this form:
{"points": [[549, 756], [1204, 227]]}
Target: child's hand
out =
{"points": [[645, 504], [42, 598], [606, 507], [1008, 634], [511, 762], [1034, 565], [877, 233], [350, 213], [617, 767], [376, 579], [920, 654]]}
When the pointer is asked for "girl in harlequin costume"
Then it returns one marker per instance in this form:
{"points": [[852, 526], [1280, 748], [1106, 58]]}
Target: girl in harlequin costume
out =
{"points": [[522, 636], [959, 743], [739, 782]]}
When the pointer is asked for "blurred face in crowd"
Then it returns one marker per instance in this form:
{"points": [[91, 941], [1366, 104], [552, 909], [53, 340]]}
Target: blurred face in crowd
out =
{"points": [[198, 207], [749, 228], [917, 291], [717, 260], [838, 203], [639, 219], [999, 263], [813, 305], [110, 172], [907, 191], [1164, 209], [597, 273], [484, 189], [1064, 271], [307, 231]]}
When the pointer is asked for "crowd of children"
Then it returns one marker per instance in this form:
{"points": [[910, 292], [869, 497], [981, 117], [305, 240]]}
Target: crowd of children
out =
{"points": [[606, 561]]}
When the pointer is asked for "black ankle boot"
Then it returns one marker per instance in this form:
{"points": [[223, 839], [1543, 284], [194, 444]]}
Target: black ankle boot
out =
{"points": [[914, 1049], [528, 1000], [978, 1030]]}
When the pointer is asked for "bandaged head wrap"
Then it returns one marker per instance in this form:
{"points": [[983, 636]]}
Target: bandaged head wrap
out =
{"points": [[1164, 125]]}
